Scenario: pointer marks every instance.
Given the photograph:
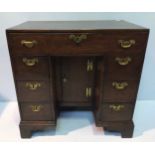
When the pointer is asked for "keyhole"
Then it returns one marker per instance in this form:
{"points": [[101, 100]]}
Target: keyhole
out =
{"points": [[64, 80]]}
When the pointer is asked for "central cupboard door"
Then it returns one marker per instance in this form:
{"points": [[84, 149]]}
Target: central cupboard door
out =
{"points": [[75, 81]]}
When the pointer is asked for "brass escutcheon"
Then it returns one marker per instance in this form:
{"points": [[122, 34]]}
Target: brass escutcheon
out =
{"points": [[78, 38]]}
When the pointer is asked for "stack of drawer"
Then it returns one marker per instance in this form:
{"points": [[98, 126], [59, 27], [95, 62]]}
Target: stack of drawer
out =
{"points": [[33, 84], [32, 77], [122, 75]]}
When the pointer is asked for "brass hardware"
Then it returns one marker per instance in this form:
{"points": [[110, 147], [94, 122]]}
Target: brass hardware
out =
{"points": [[78, 38], [89, 65], [120, 85], [64, 80], [88, 92], [123, 61], [126, 43], [35, 108], [28, 44], [33, 85], [116, 107], [30, 62]]}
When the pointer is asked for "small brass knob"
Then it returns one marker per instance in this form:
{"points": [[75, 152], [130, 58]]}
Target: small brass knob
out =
{"points": [[64, 80]]}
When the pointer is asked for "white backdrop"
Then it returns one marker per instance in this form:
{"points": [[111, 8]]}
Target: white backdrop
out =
{"points": [[147, 85]]}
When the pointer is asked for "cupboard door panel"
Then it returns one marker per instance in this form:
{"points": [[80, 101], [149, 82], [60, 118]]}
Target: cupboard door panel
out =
{"points": [[76, 80]]}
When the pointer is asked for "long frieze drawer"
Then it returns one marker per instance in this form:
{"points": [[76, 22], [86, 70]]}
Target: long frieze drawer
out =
{"points": [[124, 65], [57, 43], [117, 112], [120, 91], [33, 91], [27, 68], [75, 43], [33, 111]]}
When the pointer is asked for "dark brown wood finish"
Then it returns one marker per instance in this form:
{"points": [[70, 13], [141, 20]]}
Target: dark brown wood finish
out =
{"points": [[39, 93], [84, 65], [112, 94], [73, 86], [31, 113], [59, 44], [37, 71]]}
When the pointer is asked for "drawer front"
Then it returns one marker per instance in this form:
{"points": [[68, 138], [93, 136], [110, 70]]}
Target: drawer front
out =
{"points": [[76, 43], [33, 91], [117, 112], [129, 42], [36, 111], [124, 65], [120, 91], [28, 44], [57, 43], [28, 68]]}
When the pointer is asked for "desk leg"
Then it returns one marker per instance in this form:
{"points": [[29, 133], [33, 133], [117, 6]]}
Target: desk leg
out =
{"points": [[27, 127], [125, 128], [25, 132]]}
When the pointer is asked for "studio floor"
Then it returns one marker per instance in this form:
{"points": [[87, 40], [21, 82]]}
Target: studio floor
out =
{"points": [[78, 126]]}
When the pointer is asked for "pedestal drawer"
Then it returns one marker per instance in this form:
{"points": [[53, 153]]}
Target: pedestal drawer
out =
{"points": [[28, 68], [120, 91], [33, 91], [132, 41], [117, 111], [32, 111], [124, 65]]}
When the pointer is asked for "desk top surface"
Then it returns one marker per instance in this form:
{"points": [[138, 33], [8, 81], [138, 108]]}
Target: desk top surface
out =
{"points": [[76, 25]]}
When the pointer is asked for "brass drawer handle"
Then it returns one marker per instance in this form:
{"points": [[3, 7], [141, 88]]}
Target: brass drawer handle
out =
{"points": [[120, 85], [30, 62], [28, 44], [123, 61], [126, 43], [33, 85], [89, 65], [88, 92], [35, 108], [116, 107], [78, 38]]}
